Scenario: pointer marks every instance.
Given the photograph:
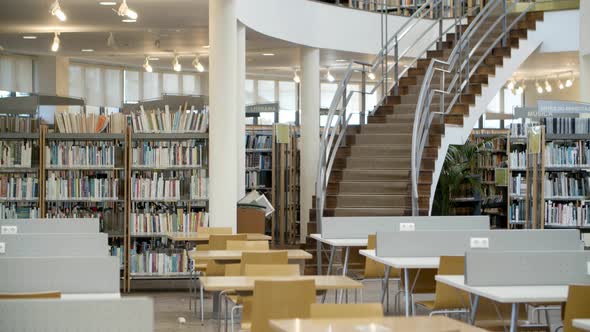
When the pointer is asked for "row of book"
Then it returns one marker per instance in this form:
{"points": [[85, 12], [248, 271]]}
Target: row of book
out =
{"points": [[259, 160], [518, 159], [491, 160], [163, 222], [517, 130], [256, 179], [145, 260], [497, 144], [181, 121], [119, 252], [518, 185], [257, 141], [16, 188], [81, 122], [567, 214], [71, 154], [199, 188], [10, 123], [16, 153], [169, 154], [487, 175], [15, 211], [567, 126], [567, 154], [111, 221], [172, 188], [517, 212], [81, 187], [564, 184]]}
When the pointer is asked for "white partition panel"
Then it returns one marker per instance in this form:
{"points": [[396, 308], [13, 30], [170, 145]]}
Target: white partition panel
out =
{"points": [[61, 225], [54, 245]]}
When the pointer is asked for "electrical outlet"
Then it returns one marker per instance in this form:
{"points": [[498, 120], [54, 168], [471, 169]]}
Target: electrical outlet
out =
{"points": [[479, 242], [2, 248], [6, 229], [588, 268], [407, 227]]}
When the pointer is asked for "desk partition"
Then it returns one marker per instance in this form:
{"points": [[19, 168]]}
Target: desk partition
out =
{"points": [[516, 268], [456, 243], [56, 245], [64, 274], [362, 227], [61, 225]]}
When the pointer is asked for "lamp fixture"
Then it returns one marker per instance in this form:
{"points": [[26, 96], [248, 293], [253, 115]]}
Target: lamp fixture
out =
{"points": [[124, 10], [87, 50], [56, 41], [146, 65], [56, 11], [560, 85], [371, 76], [296, 77], [510, 85], [107, 3], [268, 54], [570, 81], [197, 64], [539, 88], [548, 87], [175, 64], [329, 76], [521, 87], [29, 37]]}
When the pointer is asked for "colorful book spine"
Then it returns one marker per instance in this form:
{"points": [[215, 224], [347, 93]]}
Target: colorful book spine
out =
{"points": [[18, 188], [68, 154], [15, 154], [66, 186], [165, 222], [169, 154], [567, 214]]}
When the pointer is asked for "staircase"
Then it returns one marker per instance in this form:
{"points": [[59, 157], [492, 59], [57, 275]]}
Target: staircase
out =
{"points": [[372, 170]]}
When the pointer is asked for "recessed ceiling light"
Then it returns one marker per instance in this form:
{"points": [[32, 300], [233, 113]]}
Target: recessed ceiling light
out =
{"points": [[341, 60], [268, 54], [87, 50], [153, 58], [207, 46], [128, 20], [107, 3], [29, 37]]}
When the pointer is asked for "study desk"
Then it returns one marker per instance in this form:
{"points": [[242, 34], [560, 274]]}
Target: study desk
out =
{"points": [[583, 324], [514, 295], [404, 264], [384, 324], [91, 296], [344, 244], [228, 256], [204, 237]]}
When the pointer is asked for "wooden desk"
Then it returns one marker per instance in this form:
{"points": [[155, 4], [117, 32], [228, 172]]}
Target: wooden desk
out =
{"points": [[204, 237], [345, 244], [583, 324], [246, 284], [226, 256], [385, 324]]}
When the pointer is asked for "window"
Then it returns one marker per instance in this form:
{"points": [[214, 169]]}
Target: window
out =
{"points": [[287, 101], [16, 73], [511, 100], [493, 107], [170, 83], [189, 85], [93, 86], [113, 90], [151, 86], [76, 81], [250, 93], [327, 91], [266, 92], [131, 86]]}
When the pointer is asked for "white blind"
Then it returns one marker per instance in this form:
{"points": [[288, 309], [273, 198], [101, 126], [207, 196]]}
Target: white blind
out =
{"points": [[99, 86], [250, 95], [16, 74], [131, 86], [191, 85], [287, 101], [266, 91], [76, 81], [170, 83], [151, 85], [113, 89]]}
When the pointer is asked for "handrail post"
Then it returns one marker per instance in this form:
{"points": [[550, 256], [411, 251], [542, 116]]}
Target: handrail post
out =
{"points": [[396, 66], [343, 115], [504, 39], [363, 96], [440, 24]]}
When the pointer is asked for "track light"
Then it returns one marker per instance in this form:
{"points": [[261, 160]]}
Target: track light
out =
{"points": [[548, 87], [570, 81], [520, 88], [296, 77], [329, 76], [197, 64], [371, 76], [175, 64], [147, 66], [539, 88], [124, 10], [560, 85], [57, 12], [56, 41], [510, 85]]}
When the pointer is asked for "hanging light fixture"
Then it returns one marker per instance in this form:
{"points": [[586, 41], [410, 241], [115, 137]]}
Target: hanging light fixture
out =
{"points": [[175, 64], [197, 64], [296, 77], [510, 85], [521, 87], [124, 10], [560, 85], [56, 41], [570, 81], [57, 12], [539, 87], [147, 66], [548, 87], [329, 76], [371, 75]]}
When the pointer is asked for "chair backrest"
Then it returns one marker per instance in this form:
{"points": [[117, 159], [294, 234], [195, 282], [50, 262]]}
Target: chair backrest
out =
{"points": [[576, 306], [447, 297], [422, 280], [29, 296], [360, 310], [216, 230], [373, 269], [269, 257], [281, 300], [247, 245], [271, 270], [219, 242]]}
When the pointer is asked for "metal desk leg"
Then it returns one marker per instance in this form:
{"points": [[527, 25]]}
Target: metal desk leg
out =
{"points": [[319, 257], [344, 269], [514, 318], [332, 251], [202, 303], [407, 291], [384, 284], [474, 305]]}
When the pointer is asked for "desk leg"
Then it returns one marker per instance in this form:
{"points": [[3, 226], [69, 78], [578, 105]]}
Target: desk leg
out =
{"points": [[202, 303], [332, 250], [344, 269], [474, 305], [514, 318], [319, 257], [384, 284], [407, 291]]}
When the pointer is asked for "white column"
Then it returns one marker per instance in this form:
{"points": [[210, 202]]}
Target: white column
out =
{"points": [[223, 114], [52, 75], [310, 130], [241, 107], [584, 52]]}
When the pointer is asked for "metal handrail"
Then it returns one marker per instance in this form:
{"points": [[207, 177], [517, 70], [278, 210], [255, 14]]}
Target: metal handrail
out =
{"points": [[457, 65], [337, 121]]}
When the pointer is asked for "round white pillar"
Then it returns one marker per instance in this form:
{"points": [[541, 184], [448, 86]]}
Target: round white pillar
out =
{"points": [[241, 108]]}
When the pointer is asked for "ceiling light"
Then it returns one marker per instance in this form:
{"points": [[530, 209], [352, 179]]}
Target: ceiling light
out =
{"points": [[128, 20], [371, 76], [56, 41], [510, 85], [29, 37], [548, 87], [560, 85], [329, 76], [147, 66], [175, 64], [153, 58], [521, 87], [296, 77], [539, 88], [197, 64], [268, 54], [341, 60], [57, 12], [124, 10], [570, 81], [207, 46], [107, 3], [87, 50]]}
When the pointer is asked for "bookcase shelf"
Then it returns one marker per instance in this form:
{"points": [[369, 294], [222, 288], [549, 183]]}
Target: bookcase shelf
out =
{"points": [[84, 137], [168, 136], [18, 169], [19, 136]]}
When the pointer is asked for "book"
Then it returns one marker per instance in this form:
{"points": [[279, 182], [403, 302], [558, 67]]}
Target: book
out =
{"points": [[88, 154], [68, 185], [16, 154], [180, 121], [82, 122]]}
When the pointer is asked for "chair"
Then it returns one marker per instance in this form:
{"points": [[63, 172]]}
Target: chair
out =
{"points": [[576, 306], [29, 296], [219, 242], [364, 310], [247, 245], [281, 300], [271, 270], [216, 230]]}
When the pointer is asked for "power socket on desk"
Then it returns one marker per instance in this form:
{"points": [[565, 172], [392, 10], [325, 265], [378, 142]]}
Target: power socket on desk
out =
{"points": [[479, 242], [6, 229], [2, 248], [407, 227]]}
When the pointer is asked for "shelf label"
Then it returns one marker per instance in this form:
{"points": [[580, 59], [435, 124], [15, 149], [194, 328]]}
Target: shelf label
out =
{"points": [[2, 248], [7, 229]]}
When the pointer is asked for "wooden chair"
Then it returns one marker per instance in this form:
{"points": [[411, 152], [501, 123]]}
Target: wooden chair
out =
{"points": [[577, 306], [219, 242], [375, 271], [364, 310], [281, 300], [216, 230], [421, 282], [247, 245], [29, 296]]}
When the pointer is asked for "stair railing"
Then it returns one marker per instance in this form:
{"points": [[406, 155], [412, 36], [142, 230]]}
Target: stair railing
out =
{"points": [[460, 65], [387, 64]]}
